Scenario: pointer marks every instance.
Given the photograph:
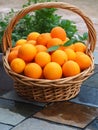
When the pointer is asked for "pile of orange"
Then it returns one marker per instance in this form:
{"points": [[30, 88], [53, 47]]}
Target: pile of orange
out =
{"points": [[30, 57]]}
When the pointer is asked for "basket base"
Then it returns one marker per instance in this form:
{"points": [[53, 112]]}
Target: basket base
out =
{"points": [[50, 94]]}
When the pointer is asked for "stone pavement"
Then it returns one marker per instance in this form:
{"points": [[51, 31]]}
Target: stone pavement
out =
{"points": [[79, 113]]}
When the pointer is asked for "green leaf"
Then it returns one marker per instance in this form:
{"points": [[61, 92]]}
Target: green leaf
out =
{"points": [[53, 48], [68, 43], [85, 36], [69, 27]]}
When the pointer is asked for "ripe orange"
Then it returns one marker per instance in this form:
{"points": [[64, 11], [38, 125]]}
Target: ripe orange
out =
{"points": [[83, 61], [71, 47], [27, 52], [33, 70], [43, 38], [58, 32], [52, 71], [21, 42], [67, 39], [79, 46], [59, 56], [70, 53], [70, 68], [41, 48], [65, 47], [42, 58], [33, 36], [15, 48], [17, 65], [53, 42], [79, 53], [12, 55], [33, 42]]}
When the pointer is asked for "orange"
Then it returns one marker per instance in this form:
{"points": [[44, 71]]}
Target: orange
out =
{"points": [[79, 53], [17, 65], [52, 71], [42, 58], [43, 38], [33, 36], [20, 42], [65, 47], [79, 46], [53, 42], [70, 53], [33, 42], [70, 46], [67, 39], [41, 48], [15, 48], [27, 52], [70, 68], [33, 70], [59, 56], [12, 55], [83, 61], [58, 32]]}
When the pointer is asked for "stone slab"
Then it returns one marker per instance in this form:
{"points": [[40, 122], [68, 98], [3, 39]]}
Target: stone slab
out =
{"points": [[89, 91], [93, 125], [12, 95], [13, 113], [96, 56], [6, 83], [87, 96], [5, 127], [68, 113], [36, 124]]}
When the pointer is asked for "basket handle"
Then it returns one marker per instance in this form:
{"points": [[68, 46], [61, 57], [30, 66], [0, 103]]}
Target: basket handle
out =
{"points": [[7, 42]]}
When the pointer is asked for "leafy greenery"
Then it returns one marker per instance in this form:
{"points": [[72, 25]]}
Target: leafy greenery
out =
{"points": [[69, 26], [42, 20]]}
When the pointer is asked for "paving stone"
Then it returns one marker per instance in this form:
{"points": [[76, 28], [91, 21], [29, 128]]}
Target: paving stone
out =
{"points": [[12, 95], [36, 124], [93, 125], [5, 127], [87, 96], [96, 68], [96, 56], [13, 112], [68, 113], [92, 81], [89, 91], [6, 83]]}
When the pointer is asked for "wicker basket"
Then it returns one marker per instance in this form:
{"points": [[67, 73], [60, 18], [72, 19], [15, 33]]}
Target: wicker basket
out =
{"points": [[43, 90]]}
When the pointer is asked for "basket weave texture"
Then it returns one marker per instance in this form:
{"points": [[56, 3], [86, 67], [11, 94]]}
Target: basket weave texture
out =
{"points": [[44, 90]]}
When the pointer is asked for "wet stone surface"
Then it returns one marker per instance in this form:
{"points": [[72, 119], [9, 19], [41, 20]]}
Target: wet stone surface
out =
{"points": [[5, 127], [96, 55], [36, 124], [93, 125], [92, 81], [6, 83], [12, 95], [87, 96], [89, 91], [68, 113], [12, 112]]}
